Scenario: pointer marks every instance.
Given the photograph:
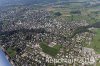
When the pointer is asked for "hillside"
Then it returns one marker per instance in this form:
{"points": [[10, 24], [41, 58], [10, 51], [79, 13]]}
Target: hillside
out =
{"points": [[25, 2]]}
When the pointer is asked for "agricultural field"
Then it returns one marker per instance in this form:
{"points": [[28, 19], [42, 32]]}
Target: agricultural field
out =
{"points": [[89, 13]]}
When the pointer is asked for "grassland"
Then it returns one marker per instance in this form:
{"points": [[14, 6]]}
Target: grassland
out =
{"points": [[11, 52], [96, 42], [98, 62], [50, 50]]}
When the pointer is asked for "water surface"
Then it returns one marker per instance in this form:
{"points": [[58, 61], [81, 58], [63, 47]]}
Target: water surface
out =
{"points": [[3, 59]]}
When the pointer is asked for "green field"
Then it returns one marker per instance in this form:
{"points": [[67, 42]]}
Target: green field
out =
{"points": [[98, 64], [50, 50], [11, 52], [96, 41]]}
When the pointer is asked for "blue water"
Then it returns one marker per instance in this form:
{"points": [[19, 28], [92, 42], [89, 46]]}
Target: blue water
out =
{"points": [[3, 59]]}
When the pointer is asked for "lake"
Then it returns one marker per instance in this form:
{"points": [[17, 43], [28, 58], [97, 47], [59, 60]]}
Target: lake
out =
{"points": [[3, 59]]}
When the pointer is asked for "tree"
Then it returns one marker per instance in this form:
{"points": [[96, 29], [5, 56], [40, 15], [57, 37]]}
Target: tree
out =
{"points": [[57, 14]]}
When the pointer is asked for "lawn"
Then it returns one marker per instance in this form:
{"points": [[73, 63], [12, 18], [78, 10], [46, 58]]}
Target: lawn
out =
{"points": [[50, 50]]}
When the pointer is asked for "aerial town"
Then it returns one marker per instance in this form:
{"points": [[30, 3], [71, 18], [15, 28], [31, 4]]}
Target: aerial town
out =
{"points": [[39, 36]]}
